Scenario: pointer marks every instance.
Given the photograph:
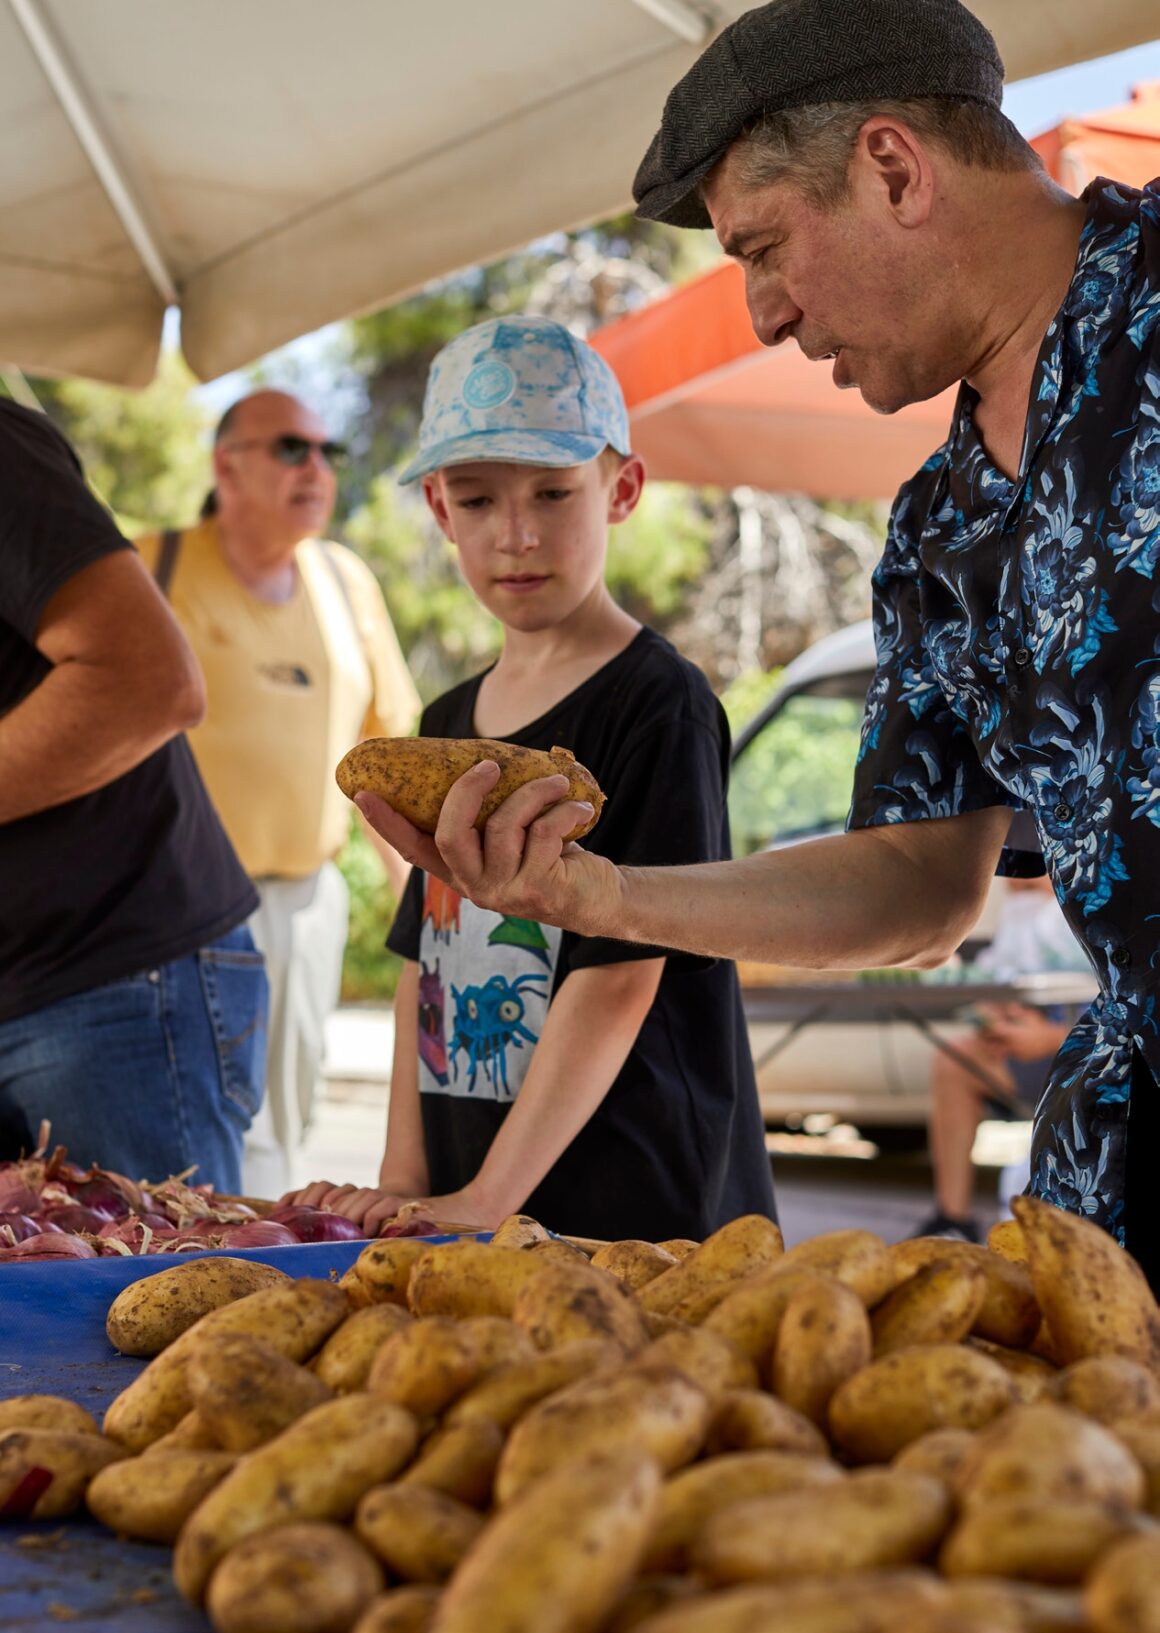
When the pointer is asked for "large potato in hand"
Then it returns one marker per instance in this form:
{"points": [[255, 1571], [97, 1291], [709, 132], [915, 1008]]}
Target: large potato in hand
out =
{"points": [[414, 774]]}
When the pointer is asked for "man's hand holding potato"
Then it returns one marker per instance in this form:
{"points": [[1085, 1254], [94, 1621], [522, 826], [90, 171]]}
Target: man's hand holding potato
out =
{"points": [[519, 864]]}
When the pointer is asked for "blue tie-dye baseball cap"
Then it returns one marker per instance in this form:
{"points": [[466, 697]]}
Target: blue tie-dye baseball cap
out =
{"points": [[522, 390]]}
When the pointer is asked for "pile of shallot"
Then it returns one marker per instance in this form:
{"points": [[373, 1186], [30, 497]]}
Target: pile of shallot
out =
{"points": [[52, 1209]]}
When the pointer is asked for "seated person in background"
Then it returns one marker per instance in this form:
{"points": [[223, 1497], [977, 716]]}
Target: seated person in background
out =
{"points": [[1014, 1046], [606, 1087]]}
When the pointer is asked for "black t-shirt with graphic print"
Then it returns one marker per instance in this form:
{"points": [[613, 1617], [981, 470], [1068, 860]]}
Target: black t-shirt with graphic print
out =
{"points": [[676, 1147], [139, 872]]}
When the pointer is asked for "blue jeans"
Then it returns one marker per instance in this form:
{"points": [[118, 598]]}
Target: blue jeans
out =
{"points": [[149, 1075]]}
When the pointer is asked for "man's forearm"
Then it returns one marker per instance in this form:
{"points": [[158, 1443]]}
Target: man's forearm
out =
{"points": [[850, 901], [77, 731]]}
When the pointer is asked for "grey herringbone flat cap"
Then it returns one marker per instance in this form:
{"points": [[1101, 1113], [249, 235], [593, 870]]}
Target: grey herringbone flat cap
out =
{"points": [[793, 53]]}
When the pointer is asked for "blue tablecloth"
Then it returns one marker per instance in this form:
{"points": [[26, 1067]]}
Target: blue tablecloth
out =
{"points": [[73, 1573]]}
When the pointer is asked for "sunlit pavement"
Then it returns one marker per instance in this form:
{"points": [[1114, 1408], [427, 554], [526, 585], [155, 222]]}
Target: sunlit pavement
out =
{"points": [[818, 1191]]}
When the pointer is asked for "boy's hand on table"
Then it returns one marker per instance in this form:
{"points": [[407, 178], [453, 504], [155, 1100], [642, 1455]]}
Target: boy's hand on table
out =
{"points": [[353, 1202], [372, 1207]]}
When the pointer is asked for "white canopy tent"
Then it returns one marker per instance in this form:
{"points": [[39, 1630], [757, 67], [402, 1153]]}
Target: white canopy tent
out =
{"points": [[272, 165]]}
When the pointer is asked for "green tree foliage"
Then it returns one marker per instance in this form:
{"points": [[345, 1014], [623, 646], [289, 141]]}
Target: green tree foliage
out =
{"points": [[370, 971], [442, 628], [658, 552], [145, 452]]}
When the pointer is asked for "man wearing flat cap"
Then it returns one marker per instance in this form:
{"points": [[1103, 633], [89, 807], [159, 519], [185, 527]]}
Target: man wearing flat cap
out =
{"points": [[852, 156]]}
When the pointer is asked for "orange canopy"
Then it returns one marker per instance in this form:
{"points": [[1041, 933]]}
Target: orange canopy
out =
{"points": [[1123, 143], [709, 404]]}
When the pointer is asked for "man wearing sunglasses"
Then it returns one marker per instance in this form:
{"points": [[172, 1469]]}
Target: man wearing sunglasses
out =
{"points": [[301, 661]]}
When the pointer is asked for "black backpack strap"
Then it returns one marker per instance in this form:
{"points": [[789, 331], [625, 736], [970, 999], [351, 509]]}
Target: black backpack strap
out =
{"points": [[167, 559]]}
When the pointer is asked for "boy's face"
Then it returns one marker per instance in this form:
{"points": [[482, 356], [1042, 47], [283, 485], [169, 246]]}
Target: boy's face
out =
{"points": [[532, 538]]}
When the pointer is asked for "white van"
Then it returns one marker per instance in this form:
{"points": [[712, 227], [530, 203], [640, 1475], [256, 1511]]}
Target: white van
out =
{"points": [[792, 775]]}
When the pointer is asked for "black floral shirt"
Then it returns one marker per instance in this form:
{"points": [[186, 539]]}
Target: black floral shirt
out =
{"points": [[1018, 634]]}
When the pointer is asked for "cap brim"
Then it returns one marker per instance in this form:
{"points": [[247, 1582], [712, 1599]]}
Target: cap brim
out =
{"points": [[677, 203], [552, 448]]}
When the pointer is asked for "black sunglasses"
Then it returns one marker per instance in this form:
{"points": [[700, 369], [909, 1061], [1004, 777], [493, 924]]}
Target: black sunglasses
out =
{"points": [[289, 449]]}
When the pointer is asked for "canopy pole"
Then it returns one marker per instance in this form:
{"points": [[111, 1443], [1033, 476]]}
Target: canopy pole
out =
{"points": [[689, 22], [82, 116]]}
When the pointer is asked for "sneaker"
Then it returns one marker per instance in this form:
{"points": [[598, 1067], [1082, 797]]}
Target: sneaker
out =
{"points": [[942, 1224]]}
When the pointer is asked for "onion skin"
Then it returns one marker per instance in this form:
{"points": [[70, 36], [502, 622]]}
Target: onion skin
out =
{"points": [[54, 1245], [258, 1233], [75, 1217]]}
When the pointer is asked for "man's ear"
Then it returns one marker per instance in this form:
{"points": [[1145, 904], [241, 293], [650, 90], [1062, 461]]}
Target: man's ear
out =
{"points": [[627, 487], [223, 470], [436, 499], [891, 160]]}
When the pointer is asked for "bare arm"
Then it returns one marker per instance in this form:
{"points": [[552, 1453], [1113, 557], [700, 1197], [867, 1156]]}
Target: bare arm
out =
{"points": [[404, 1164], [905, 893], [124, 681], [590, 1028]]}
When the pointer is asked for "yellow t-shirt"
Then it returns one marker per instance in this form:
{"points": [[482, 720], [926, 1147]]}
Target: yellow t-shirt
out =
{"points": [[290, 688]]}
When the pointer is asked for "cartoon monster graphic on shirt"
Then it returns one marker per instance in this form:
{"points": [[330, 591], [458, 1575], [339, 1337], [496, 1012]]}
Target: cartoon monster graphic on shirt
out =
{"points": [[432, 1004], [488, 1021], [441, 906]]}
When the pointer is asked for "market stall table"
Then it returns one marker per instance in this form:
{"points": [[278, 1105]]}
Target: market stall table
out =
{"points": [[918, 1003], [73, 1572]]}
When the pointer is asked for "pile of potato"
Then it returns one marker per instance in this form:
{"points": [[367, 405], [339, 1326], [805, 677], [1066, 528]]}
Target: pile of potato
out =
{"points": [[523, 1437]]}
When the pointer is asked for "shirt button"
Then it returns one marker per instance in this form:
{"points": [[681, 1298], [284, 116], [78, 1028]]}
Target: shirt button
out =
{"points": [[1022, 657], [1063, 812], [1121, 957]]}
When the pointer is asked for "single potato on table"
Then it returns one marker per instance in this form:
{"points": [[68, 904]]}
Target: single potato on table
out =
{"points": [[400, 1610], [560, 1555], [44, 1473], [872, 1518], [245, 1393], [693, 1495], [1094, 1296], [317, 1469], [739, 1248], [419, 1534], [293, 1317], [345, 1359], [459, 1459], [305, 1578], [151, 1497], [654, 1410], [46, 1412], [1122, 1595], [1047, 1450], [149, 1314], [889, 1403]]}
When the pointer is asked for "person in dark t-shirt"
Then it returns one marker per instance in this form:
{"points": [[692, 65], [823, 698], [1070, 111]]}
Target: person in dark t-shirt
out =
{"points": [[132, 1000], [606, 1088]]}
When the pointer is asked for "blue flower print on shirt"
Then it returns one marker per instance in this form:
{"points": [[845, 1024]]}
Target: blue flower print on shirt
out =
{"points": [[1022, 666]]}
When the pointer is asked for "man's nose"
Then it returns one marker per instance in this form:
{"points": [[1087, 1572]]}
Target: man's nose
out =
{"points": [[772, 313]]}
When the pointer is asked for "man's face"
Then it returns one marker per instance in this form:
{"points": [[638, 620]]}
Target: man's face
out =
{"points": [[256, 482], [532, 538], [846, 283]]}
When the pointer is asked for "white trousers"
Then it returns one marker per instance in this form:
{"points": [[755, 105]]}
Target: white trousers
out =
{"points": [[300, 926]]}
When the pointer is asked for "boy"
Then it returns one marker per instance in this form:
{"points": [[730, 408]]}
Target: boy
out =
{"points": [[607, 1088]]}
